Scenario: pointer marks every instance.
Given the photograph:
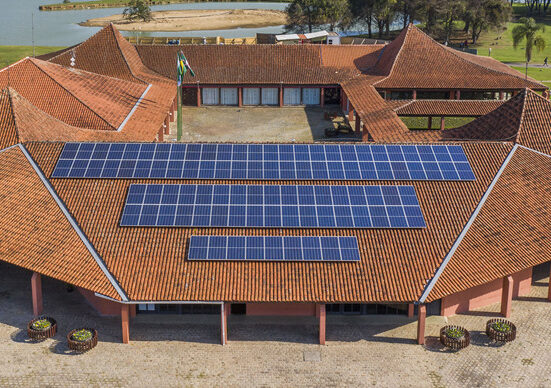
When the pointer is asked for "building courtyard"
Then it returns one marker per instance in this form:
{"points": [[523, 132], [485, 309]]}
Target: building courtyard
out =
{"points": [[184, 350]]}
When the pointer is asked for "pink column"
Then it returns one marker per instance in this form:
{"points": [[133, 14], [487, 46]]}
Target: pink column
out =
{"points": [[224, 312], [125, 323], [411, 310], [280, 96], [322, 94], [240, 97], [198, 96], [422, 315], [501, 95], [429, 125], [167, 124], [549, 290], [442, 123], [36, 291], [458, 94], [507, 296], [452, 94], [414, 95], [350, 114], [320, 312]]}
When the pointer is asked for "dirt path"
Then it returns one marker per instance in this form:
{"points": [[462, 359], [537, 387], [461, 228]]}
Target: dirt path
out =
{"points": [[191, 20]]}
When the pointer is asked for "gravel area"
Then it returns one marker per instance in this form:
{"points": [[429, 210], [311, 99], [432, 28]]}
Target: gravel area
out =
{"points": [[184, 351]]}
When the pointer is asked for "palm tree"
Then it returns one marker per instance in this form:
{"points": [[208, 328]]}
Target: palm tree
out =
{"points": [[528, 30]]}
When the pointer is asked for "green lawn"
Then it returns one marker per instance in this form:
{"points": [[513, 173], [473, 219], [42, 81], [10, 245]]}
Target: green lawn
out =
{"points": [[11, 54], [538, 73], [502, 42], [422, 122]]}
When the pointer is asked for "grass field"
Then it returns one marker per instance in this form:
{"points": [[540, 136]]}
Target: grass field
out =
{"points": [[541, 74], [11, 54], [502, 42], [422, 122]]}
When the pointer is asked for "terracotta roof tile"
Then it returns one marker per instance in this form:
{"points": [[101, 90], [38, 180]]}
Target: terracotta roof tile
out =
{"points": [[8, 129], [34, 233], [525, 119], [514, 225], [150, 263], [468, 108], [415, 61]]}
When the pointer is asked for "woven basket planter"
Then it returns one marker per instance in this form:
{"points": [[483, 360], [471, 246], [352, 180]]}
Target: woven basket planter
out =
{"points": [[37, 334], [501, 335], [455, 343], [82, 346]]}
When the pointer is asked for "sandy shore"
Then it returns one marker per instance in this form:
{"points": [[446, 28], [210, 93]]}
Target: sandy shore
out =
{"points": [[191, 20]]}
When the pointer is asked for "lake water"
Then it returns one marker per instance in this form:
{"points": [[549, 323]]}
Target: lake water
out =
{"points": [[60, 28]]}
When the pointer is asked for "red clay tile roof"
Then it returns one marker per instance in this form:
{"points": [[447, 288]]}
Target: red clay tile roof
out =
{"points": [[28, 123], [360, 57], [514, 226], [32, 82], [8, 129], [415, 61], [467, 108], [35, 234], [150, 263], [525, 119], [108, 53], [252, 64]]}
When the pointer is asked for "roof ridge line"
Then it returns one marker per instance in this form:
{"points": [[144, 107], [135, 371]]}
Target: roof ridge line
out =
{"points": [[73, 223], [395, 58], [403, 106], [112, 28], [533, 150], [451, 51], [467, 226], [72, 94], [10, 101], [13, 64], [9, 148], [134, 108]]}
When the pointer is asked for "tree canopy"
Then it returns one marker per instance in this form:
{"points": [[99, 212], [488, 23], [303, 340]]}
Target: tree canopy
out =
{"points": [[136, 10]]}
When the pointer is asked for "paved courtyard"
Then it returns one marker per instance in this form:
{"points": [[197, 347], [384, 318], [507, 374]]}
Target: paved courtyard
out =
{"points": [[170, 351], [248, 124]]}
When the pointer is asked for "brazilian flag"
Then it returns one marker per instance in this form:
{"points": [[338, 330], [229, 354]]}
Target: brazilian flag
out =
{"points": [[183, 67]]}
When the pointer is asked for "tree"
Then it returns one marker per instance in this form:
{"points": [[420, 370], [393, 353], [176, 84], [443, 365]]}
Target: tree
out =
{"points": [[453, 10], [529, 31], [335, 13], [137, 9], [303, 14], [362, 13], [484, 14]]}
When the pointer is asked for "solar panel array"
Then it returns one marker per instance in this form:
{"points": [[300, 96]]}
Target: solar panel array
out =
{"points": [[266, 206], [263, 161], [273, 248]]}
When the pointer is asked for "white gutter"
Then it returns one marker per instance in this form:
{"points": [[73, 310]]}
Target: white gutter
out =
{"points": [[533, 150], [133, 108], [450, 254], [74, 224]]}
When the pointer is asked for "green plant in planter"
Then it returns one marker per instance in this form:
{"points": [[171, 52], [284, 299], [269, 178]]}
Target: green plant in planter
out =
{"points": [[82, 335], [455, 333], [502, 327], [41, 324]]}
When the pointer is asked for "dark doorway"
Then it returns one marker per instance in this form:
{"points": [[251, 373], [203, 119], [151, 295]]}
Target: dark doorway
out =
{"points": [[189, 96], [365, 309], [331, 96], [172, 308]]}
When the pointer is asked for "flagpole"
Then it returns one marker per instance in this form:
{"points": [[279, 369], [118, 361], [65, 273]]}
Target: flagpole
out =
{"points": [[179, 119]]}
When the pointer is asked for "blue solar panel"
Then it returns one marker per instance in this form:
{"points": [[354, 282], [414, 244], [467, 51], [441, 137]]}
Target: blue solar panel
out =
{"points": [[274, 248], [264, 161], [267, 206]]}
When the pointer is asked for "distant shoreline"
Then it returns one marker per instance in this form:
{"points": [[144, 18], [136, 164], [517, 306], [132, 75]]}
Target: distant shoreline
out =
{"points": [[94, 4], [194, 20]]}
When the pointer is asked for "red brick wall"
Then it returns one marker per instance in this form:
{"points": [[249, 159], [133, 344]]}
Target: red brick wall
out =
{"points": [[296, 309], [101, 305], [485, 294]]}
